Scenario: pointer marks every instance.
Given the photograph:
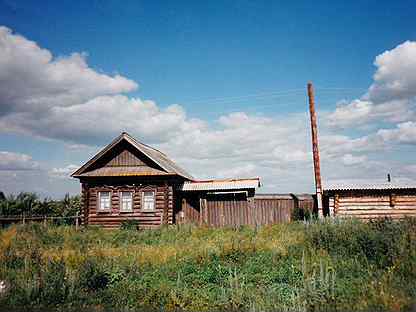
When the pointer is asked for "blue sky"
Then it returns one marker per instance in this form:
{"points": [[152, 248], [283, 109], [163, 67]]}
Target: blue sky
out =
{"points": [[224, 63]]}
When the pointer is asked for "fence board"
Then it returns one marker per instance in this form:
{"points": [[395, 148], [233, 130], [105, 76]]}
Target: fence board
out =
{"points": [[234, 210]]}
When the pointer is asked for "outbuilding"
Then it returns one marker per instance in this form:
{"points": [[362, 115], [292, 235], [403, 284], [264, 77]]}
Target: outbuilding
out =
{"points": [[370, 200]]}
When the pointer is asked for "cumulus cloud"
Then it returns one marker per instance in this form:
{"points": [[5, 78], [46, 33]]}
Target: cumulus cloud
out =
{"points": [[349, 159], [20, 173], [395, 77], [15, 161], [392, 95], [31, 80], [363, 112], [64, 172], [100, 119], [62, 98], [404, 133]]}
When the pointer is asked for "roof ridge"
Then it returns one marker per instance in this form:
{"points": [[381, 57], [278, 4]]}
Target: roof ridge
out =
{"points": [[141, 143]]}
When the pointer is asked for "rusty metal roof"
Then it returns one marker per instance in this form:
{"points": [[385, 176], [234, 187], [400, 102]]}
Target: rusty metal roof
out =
{"points": [[370, 185], [124, 171], [156, 156], [218, 185]]}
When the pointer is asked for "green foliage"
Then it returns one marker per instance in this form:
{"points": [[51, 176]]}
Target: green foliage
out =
{"points": [[30, 204], [321, 265], [300, 214], [92, 276], [129, 225]]}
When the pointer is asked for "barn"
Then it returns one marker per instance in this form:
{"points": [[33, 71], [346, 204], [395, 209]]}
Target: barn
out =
{"points": [[370, 200]]}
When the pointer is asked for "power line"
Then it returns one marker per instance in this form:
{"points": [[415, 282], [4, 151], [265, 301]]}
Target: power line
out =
{"points": [[268, 95]]}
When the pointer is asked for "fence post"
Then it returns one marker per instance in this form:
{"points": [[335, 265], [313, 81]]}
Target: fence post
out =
{"points": [[76, 222], [44, 220]]}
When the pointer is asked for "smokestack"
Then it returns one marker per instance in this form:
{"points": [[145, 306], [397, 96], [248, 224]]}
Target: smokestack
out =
{"points": [[315, 149]]}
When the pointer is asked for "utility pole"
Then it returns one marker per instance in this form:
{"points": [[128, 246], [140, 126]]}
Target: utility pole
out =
{"points": [[315, 149]]}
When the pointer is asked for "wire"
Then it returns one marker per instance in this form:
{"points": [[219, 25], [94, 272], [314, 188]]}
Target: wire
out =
{"points": [[268, 95]]}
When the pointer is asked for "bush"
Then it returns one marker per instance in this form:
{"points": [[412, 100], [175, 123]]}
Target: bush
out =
{"points": [[93, 277], [129, 225]]}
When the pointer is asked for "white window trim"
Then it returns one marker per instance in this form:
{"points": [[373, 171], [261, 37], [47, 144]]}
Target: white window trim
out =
{"points": [[121, 201], [154, 200], [99, 201]]}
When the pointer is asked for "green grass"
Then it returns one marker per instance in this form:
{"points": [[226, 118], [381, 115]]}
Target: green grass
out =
{"points": [[330, 265]]}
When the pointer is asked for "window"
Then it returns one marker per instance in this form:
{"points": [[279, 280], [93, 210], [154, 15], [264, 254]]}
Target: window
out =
{"points": [[126, 201], [148, 201], [105, 200]]}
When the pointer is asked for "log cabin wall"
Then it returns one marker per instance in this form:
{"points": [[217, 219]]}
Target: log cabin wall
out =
{"points": [[113, 218], [372, 204]]}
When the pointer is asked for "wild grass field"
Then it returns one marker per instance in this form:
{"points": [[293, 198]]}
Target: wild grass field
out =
{"points": [[320, 265]]}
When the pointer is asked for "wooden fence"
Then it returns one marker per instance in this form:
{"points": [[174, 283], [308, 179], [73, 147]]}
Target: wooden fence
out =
{"points": [[7, 220], [233, 210]]}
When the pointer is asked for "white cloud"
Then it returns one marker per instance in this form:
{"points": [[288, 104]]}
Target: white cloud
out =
{"points": [[33, 81], [20, 173], [404, 133], [64, 99], [100, 119], [349, 159], [64, 172], [391, 97], [363, 112], [15, 161], [395, 77]]}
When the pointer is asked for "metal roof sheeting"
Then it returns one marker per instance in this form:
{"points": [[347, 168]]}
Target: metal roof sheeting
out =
{"points": [[218, 185], [345, 186]]}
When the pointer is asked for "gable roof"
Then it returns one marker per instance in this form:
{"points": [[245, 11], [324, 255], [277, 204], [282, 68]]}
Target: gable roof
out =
{"points": [[168, 166]]}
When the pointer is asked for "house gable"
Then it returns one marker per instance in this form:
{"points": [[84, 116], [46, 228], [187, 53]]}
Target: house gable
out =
{"points": [[127, 157]]}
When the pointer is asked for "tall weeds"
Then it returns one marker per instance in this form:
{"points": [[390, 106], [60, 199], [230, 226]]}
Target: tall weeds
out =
{"points": [[314, 266]]}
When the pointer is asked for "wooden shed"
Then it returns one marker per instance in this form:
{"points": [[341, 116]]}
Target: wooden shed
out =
{"points": [[226, 202], [370, 200]]}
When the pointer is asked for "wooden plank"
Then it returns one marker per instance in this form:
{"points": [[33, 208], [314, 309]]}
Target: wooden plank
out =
{"points": [[378, 212]]}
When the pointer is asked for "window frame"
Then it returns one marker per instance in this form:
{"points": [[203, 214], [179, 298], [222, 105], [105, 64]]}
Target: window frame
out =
{"points": [[121, 210], [99, 201], [142, 206]]}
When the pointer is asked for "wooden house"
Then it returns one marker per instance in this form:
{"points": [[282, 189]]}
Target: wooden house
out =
{"points": [[129, 180], [370, 200]]}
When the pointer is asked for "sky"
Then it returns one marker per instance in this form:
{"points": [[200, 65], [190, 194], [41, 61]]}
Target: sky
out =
{"points": [[219, 86]]}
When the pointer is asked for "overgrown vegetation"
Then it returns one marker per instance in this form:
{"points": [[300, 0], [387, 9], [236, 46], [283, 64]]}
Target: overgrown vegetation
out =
{"points": [[329, 265], [30, 204]]}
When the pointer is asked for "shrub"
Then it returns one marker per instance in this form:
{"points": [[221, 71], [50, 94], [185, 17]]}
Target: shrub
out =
{"points": [[93, 277], [129, 225]]}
